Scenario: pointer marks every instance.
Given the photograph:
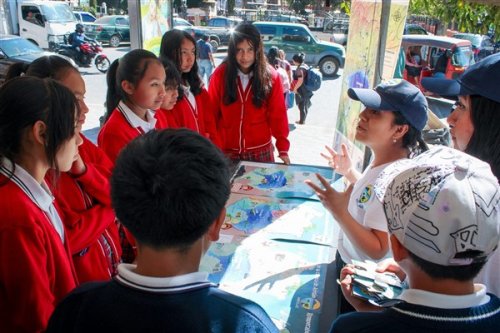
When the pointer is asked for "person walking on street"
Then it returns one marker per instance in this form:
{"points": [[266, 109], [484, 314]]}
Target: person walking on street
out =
{"points": [[302, 94], [206, 63]]}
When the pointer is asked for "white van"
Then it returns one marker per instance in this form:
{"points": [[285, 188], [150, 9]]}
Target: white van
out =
{"points": [[42, 22]]}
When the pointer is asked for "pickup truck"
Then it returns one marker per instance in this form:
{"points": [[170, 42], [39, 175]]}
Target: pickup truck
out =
{"points": [[222, 27]]}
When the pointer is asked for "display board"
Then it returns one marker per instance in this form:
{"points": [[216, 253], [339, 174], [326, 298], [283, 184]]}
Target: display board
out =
{"points": [[366, 64], [275, 244]]}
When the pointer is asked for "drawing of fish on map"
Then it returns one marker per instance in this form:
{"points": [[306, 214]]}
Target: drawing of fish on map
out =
{"points": [[275, 218], [276, 180]]}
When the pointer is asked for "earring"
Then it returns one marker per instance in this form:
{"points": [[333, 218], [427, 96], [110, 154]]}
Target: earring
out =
{"points": [[394, 140]]}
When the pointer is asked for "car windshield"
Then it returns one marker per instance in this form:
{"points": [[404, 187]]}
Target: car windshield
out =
{"points": [[462, 56], [18, 47], [474, 39], [181, 22], [58, 13]]}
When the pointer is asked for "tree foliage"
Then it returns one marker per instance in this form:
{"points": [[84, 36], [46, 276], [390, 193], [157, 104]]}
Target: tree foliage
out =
{"points": [[464, 15]]}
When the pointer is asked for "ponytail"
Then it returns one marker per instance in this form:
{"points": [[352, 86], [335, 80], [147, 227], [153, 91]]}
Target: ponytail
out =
{"points": [[112, 95], [15, 70]]}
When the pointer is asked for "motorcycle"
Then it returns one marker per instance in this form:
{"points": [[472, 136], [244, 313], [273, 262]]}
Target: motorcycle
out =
{"points": [[88, 51]]}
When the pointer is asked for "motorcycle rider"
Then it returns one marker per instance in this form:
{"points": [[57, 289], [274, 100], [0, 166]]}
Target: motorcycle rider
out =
{"points": [[76, 39]]}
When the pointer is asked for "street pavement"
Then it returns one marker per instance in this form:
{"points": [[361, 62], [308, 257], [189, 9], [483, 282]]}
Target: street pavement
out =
{"points": [[307, 141]]}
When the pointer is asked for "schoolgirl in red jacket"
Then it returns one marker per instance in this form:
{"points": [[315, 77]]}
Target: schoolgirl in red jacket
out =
{"points": [[82, 193], [193, 109], [173, 80], [249, 103], [135, 88], [37, 133]]}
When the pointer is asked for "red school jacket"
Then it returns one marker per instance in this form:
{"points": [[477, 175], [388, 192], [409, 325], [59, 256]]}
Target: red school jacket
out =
{"points": [[36, 271], [89, 219], [117, 132], [199, 119], [241, 125]]}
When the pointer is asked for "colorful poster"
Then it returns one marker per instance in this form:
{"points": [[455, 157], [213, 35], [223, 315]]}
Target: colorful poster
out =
{"points": [[362, 64], [277, 180], [395, 28], [155, 21]]}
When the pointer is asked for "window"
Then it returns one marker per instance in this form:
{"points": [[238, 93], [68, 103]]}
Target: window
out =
{"points": [[218, 23], [267, 33], [295, 34], [87, 18]]}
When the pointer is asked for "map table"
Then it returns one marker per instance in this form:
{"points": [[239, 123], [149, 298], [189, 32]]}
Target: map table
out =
{"points": [[276, 244]]}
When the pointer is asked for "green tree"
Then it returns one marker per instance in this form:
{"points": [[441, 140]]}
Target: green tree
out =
{"points": [[230, 6], [462, 15]]}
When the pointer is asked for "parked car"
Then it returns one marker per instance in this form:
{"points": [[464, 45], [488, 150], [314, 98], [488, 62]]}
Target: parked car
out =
{"points": [[287, 18], [17, 49], [222, 27], [113, 29], [295, 37], [339, 30], [84, 17], [482, 45], [196, 32], [449, 57], [414, 29]]}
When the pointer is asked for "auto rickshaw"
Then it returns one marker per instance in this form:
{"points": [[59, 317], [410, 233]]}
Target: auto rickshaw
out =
{"points": [[438, 56]]}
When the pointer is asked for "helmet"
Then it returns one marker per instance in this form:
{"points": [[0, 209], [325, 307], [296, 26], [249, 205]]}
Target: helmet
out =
{"points": [[79, 28]]}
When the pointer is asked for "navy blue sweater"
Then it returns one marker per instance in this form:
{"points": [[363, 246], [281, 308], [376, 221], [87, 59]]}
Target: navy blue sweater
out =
{"points": [[411, 318]]}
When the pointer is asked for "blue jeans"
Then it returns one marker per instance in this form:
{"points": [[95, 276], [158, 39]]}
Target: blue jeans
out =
{"points": [[205, 67]]}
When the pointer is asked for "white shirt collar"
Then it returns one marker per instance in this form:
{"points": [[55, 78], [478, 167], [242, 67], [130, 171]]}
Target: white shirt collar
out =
{"points": [[245, 78], [442, 301], [136, 121], [128, 276], [38, 193], [189, 95]]}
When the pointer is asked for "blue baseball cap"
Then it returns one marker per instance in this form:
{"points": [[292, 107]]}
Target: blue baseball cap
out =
{"points": [[481, 79], [395, 95]]}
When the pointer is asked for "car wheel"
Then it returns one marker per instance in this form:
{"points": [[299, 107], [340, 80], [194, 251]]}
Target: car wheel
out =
{"points": [[114, 41], [329, 66], [215, 45]]}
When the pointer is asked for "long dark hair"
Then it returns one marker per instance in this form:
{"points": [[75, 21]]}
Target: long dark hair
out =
{"points": [[26, 100], [412, 140], [262, 84], [53, 66], [131, 67], [485, 141], [170, 49]]}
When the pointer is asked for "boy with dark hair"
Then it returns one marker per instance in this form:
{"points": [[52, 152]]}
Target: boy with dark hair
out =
{"points": [[169, 189], [442, 214]]}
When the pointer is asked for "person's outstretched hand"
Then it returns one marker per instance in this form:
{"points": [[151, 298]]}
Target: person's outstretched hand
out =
{"points": [[341, 163], [335, 202]]}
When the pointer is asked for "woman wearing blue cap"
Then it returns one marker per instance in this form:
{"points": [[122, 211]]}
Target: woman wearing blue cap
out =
{"points": [[390, 125], [475, 128]]}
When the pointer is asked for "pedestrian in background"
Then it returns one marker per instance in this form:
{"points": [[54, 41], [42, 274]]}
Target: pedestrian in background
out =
{"points": [[302, 94], [206, 63]]}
